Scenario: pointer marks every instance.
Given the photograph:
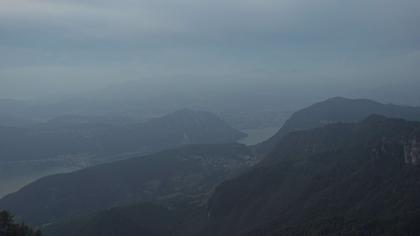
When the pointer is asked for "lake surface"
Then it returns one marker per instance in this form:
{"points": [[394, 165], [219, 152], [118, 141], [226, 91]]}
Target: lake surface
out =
{"points": [[258, 135], [15, 175]]}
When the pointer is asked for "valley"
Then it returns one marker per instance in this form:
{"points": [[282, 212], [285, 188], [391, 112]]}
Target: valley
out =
{"points": [[257, 135], [264, 188], [209, 118]]}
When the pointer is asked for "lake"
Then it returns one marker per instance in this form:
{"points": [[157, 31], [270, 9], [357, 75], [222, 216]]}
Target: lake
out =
{"points": [[258, 135]]}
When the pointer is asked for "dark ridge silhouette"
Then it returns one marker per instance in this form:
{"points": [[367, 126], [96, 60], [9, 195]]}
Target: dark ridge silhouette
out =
{"points": [[338, 109], [8, 226]]}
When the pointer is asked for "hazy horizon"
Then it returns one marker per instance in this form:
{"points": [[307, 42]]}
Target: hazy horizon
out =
{"points": [[209, 117], [54, 48]]}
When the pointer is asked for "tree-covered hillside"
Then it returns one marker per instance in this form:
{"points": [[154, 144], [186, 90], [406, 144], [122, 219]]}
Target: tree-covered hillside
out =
{"points": [[8, 226]]}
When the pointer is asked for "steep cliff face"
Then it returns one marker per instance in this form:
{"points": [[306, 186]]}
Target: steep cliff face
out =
{"points": [[412, 151]]}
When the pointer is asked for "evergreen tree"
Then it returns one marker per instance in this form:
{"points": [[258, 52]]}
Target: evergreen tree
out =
{"points": [[10, 228]]}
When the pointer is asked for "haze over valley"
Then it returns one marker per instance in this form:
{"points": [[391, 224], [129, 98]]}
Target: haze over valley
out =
{"points": [[209, 118]]}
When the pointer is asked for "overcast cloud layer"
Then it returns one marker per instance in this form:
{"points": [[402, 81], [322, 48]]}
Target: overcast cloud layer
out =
{"points": [[71, 45]]}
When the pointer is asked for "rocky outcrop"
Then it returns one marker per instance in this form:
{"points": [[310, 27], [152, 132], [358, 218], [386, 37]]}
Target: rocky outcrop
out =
{"points": [[412, 152]]}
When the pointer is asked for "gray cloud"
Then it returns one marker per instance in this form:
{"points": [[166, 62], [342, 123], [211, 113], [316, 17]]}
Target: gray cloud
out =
{"points": [[69, 43]]}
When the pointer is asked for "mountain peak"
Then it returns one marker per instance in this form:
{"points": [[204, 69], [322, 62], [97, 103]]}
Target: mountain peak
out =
{"points": [[340, 109]]}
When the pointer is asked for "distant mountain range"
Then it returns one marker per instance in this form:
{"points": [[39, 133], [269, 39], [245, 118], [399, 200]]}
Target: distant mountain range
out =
{"points": [[332, 169], [74, 136]]}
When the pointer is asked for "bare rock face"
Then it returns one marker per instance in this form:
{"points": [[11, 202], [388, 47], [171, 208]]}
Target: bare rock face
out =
{"points": [[412, 152]]}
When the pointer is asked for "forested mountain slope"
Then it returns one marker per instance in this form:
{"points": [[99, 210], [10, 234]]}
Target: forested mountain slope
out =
{"points": [[343, 179]]}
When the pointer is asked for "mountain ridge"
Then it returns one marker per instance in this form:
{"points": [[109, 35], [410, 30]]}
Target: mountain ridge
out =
{"points": [[338, 109], [350, 166], [56, 139]]}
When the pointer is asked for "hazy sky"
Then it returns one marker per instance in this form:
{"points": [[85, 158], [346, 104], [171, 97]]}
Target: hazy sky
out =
{"points": [[55, 46]]}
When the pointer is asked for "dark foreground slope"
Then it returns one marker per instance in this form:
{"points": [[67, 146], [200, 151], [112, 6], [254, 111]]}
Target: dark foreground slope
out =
{"points": [[344, 179], [177, 176], [339, 109], [8, 226], [145, 219]]}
